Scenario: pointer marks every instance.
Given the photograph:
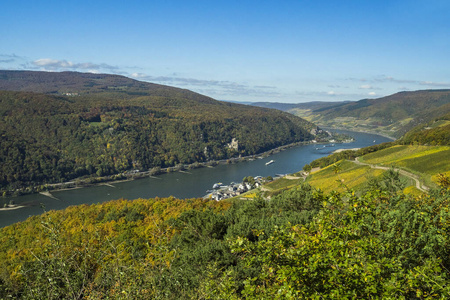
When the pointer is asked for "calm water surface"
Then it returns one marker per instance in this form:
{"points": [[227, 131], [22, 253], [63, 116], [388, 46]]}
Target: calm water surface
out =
{"points": [[193, 184]]}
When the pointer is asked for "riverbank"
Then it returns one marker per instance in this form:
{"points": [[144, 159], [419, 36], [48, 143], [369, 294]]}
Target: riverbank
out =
{"points": [[136, 174], [362, 131], [340, 150], [182, 185], [11, 207], [83, 182]]}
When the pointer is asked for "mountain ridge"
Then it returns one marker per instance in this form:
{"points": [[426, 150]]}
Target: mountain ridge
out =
{"points": [[392, 115]]}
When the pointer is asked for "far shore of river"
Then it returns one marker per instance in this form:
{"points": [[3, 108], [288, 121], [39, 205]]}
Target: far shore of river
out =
{"points": [[136, 174], [363, 131], [11, 207]]}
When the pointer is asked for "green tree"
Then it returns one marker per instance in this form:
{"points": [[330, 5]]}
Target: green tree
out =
{"points": [[307, 168]]}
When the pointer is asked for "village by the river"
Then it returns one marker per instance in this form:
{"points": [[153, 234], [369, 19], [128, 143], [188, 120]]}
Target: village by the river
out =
{"points": [[221, 191]]}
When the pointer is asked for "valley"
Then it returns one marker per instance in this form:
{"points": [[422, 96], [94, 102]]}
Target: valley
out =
{"points": [[83, 125], [366, 218], [224, 150], [190, 183]]}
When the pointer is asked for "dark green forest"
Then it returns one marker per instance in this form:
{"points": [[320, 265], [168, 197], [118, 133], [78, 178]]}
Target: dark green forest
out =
{"points": [[102, 128]]}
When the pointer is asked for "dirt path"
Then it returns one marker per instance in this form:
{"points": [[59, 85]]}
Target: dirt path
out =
{"points": [[414, 177]]}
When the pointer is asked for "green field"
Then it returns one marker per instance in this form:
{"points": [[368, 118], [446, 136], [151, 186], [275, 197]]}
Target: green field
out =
{"points": [[283, 183], [350, 174], [399, 153], [427, 161]]}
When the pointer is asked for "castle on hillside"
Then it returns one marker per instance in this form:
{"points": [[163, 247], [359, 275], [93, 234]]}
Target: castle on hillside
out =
{"points": [[234, 144]]}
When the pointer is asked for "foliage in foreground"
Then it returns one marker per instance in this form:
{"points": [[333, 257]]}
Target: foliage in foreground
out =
{"points": [[156, 248], [301, 243], [374, 246]]}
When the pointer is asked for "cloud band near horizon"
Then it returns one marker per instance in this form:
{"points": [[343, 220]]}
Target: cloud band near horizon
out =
{"points": [[224, 89]]}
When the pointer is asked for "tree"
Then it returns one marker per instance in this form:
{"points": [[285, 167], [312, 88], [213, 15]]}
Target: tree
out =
{"points": [[307, 168], [391, 181], [250, 180]]}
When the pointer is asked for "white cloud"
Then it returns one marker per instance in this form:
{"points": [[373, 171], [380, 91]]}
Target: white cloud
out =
{"points": [[436, 84], [216, 88], [10, 61], [390, 79], [331, 93], [137, 75], [60, 65], [52, 63], [372, 94]]}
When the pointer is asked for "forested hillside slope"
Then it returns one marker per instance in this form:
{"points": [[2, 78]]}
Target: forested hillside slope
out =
{"points": [[94, 124], [393, 115], [436, 132]]}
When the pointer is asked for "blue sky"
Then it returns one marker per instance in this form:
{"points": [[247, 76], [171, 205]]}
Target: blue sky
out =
{"points": [[278, 51]]}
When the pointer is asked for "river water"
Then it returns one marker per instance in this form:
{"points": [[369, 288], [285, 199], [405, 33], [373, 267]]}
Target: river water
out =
{"points": [[192, 184]]}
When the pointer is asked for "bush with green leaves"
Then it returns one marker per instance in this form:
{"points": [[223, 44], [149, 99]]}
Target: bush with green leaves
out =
{"points": [[301, 243], [378, 245]]}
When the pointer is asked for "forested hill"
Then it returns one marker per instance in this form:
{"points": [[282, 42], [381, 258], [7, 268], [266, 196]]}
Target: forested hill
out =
{"points": [[394, 115], [75, 83], [90, 124], [436, 132]]}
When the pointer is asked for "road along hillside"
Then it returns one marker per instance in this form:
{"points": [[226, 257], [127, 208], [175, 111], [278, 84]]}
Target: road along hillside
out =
{"points": [[414, 177]]}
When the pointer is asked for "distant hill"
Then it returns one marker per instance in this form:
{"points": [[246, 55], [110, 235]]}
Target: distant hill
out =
{"points": [[59, 126], [290, 107], [393, 115], [70, 82], [237, 102]]}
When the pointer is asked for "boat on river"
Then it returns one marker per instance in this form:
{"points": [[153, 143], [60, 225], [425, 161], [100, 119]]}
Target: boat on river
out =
{"points": [[217, 185], [270, 162]]}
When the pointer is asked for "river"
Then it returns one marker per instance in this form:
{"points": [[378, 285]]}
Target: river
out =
{"points": [[189, 184]]}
